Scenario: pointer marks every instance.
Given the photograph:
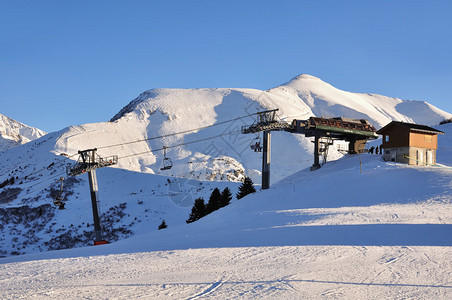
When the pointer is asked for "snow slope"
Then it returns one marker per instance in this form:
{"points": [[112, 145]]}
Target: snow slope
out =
{"points": [[13, 133], [338, 232], [292, 272], [130, 202]]}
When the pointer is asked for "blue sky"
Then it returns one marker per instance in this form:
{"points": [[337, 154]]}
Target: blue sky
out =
{"points": [[73, 62]]}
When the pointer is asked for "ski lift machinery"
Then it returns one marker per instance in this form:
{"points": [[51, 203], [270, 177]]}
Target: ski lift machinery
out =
{"points": [[88, 162], [324, 130]]}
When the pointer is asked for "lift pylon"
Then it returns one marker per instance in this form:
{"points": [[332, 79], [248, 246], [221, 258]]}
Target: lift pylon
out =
{"points": [[324, 130], [266, 121], [266, 157], [88, 162]]}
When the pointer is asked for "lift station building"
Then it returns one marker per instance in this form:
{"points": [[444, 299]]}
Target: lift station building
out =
{"points": [[413, 144]]}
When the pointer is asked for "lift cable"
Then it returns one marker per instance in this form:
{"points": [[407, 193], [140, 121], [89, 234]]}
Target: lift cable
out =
{"points": [[136, 154], [127, 156], [57, 164], [176, 133], [138, 141], [182, 144], [32, 191]]}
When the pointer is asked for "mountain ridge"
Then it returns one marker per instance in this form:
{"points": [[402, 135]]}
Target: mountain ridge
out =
{"points": [[312, 91], [13, 133]]}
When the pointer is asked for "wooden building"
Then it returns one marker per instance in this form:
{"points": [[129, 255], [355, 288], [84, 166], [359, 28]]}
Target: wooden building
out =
{"points": [[409, 143]]}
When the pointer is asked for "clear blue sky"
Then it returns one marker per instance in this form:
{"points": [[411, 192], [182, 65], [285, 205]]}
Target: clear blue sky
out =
{"points": [[72, 62]]}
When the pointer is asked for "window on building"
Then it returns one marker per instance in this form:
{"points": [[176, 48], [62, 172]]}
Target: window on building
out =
{"points": [[386, 138]]}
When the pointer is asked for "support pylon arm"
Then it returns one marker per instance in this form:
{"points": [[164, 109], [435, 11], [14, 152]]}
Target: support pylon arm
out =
{"points": [[90, 160]]}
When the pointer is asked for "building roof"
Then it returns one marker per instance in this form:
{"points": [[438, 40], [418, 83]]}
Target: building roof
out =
{"points": [[411, 127]]}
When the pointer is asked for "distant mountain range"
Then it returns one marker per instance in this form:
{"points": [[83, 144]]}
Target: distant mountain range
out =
{"points": [[13, 133]]}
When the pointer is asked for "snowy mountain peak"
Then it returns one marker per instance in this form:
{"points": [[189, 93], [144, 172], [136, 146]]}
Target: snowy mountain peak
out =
{"points": [[304, 81], [302, 77], [321, 98], [13, 133]]}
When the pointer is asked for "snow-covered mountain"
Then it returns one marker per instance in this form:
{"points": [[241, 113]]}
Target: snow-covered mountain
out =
{"points": [[321, 98], [13, 133], [379, 231], [136, 195], [162, 112]]}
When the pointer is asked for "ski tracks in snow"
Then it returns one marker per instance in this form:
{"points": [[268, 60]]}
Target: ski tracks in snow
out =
{"points": [[289, 272], [209, 291]]}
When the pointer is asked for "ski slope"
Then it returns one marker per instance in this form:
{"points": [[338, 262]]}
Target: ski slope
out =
{"points": [[338, 232], [290, 272]]}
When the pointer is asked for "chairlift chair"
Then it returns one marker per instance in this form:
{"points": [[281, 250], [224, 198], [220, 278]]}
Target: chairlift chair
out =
{"points": [[59, 198], [167, 163], [255, 144]]}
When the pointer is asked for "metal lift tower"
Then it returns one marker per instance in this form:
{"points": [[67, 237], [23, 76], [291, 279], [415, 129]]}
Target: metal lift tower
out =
{"points": [[324, 131], [88, 162], [267, 122]]}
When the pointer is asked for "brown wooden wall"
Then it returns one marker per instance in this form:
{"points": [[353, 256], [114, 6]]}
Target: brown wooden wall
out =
{"points": [[399, 138], [424, 140]]}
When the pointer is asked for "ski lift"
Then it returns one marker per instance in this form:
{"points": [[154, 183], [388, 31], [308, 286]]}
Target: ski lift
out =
{"points": [[167, 163], [59, 198], [255, 144]]}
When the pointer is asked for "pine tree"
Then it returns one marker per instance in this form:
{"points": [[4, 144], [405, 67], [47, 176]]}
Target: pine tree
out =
{"points": [[247, 187], [214, 201], [163, 225], [226, 197], [197, 211]]}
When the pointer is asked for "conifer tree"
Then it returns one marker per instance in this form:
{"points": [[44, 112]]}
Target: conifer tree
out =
{"points": [[197, 211], [214, 201], [226, 197], [163, 225], [247, 187]]}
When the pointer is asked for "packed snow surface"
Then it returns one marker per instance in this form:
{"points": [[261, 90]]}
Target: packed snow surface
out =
{"points": [[286, 272]]}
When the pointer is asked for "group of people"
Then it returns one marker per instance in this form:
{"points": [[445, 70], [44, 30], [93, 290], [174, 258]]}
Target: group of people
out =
{"points": [[257, 147], [378, 150]]}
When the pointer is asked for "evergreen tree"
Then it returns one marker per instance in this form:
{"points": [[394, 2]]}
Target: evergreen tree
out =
{"points": [[247, 187], [214, 201], [163, 225], [197, 211], [226, 197]]}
